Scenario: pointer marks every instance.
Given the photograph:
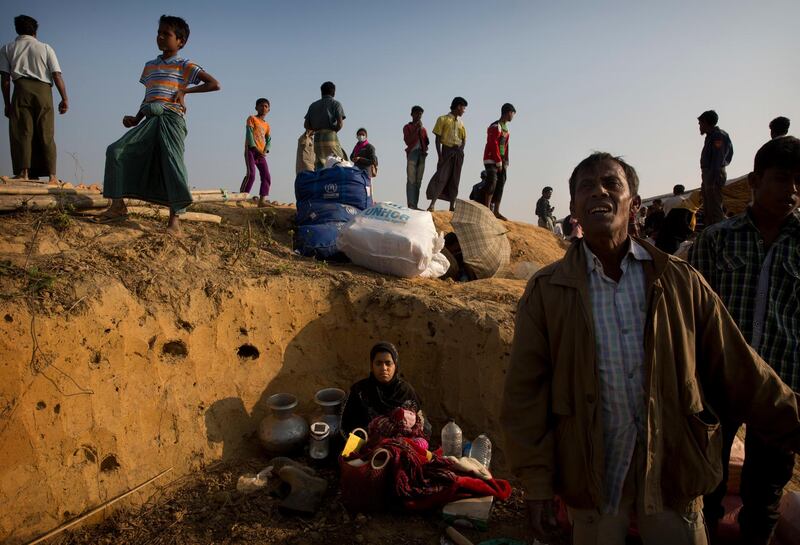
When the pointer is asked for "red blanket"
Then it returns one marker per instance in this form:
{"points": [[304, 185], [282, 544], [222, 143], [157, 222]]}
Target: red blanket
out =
{"points": [[421, 484]]}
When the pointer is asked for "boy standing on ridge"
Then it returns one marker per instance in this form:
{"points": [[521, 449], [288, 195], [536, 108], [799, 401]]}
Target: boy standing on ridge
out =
{"points": [[716, 155], [543, 209], [451, 137], [147, 162], [256, 147], [416, 139], [495, 159]]}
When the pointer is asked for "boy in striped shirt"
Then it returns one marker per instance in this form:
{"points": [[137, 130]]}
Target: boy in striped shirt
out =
{"points": [[147, 162]]}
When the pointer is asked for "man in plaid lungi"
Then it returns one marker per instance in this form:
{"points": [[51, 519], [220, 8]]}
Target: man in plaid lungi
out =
{"points": [[752, 261]]}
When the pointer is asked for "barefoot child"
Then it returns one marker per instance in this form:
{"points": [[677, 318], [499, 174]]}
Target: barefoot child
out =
{"points": [[256, 147], [147, 162]]}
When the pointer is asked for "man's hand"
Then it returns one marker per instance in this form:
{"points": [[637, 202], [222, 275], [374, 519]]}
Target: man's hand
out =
{"points": [[130, 121], [542, 520], [7, 110], [63, 106], [180, 95]]}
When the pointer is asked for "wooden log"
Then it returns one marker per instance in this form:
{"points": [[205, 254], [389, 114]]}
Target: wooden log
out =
{"points": [[12, 180], [44, 202], [82, 200], [164, 213], [52, 190]]}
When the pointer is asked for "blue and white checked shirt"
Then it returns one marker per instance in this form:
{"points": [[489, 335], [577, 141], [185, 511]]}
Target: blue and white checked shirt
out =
{"points": [[619, 314]]}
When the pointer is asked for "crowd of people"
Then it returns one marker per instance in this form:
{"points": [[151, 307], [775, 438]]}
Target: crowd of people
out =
{"points": [[147, 162], [640, 419], [631, 370]]}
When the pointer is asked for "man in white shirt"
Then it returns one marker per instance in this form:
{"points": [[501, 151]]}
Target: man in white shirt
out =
{"points": [[33, 67]]}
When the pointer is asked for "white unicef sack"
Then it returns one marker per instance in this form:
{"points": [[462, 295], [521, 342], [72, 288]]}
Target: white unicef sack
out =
{"points": [[393, 239]]}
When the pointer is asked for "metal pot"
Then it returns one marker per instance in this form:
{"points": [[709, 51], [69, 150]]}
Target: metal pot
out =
{"points": [[283, 432], [330, 400]]}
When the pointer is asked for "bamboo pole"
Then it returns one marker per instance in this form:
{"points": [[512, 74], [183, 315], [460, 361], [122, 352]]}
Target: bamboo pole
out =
{"points": [[208, 191], [97, 509], [164, 213], [219, 197]]}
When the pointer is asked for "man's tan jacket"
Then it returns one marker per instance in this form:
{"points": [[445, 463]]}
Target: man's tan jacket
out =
{"points": [[697, 366]]}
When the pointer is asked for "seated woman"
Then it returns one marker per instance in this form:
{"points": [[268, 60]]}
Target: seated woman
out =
{"points": [[380, 393], [363, 155]]}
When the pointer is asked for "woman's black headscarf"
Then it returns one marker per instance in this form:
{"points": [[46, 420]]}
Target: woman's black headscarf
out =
{"points": [[370, 397]]}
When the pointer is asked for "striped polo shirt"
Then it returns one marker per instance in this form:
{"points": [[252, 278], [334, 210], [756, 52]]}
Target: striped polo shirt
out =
{"points": [[163, 77]]}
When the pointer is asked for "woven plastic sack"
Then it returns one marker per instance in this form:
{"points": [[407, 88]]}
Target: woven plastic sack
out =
{"points": [[392, 239], [318, 241], [316, 212], [343, 185]]}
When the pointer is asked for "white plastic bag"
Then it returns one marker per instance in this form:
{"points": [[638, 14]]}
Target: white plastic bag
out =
{"points": [[336, 161], [438, 265], [249, 482], [392, 239]]}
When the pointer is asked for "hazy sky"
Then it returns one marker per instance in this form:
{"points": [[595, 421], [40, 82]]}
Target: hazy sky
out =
{"points": [[629, 78]]}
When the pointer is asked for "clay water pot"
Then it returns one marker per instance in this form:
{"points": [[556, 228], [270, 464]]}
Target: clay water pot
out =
{"points": [[282, 431], [330, 400]]}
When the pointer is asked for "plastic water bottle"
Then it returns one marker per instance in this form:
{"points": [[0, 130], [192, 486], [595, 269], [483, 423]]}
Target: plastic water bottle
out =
{"points": [[451, 439], [482, 450]]}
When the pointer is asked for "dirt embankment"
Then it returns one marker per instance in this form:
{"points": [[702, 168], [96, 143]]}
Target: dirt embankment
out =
{"points": [[125, 351]]}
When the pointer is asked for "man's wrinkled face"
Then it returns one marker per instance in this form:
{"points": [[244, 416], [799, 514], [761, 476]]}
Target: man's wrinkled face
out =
{"points": [[776, 191], [602, 202]]}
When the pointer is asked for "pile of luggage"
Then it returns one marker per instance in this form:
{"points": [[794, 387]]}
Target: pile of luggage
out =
{"points": [[327, 200]]}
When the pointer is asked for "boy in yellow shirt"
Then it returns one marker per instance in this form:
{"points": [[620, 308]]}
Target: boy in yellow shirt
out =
{"points": [[451, 137]]}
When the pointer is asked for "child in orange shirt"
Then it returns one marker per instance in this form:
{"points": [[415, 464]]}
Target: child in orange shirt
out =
{"points": [[256, 148]]}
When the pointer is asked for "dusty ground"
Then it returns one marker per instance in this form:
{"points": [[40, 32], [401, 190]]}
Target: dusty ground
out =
{"points": [[125, 352], [208, 509]]}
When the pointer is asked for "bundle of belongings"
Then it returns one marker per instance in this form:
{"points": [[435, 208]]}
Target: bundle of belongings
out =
{"points": [[478, 246], [396, 469], [326, 200], [392, 239]]}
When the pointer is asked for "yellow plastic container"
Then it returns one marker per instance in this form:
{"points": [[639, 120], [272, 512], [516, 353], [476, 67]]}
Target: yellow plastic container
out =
{"points": [[354, 442]]}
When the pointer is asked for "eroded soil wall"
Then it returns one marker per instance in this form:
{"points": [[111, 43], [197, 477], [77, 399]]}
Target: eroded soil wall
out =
{"points": [[107, 397]]}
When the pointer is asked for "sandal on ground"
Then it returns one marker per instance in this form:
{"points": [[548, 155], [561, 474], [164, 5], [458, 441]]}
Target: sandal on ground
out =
{"points": [[111, 217]]}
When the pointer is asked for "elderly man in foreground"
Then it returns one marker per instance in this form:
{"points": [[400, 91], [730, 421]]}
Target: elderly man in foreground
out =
{"points": [[623, 362]]}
